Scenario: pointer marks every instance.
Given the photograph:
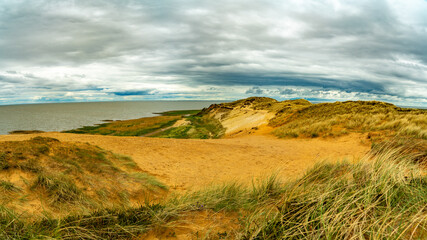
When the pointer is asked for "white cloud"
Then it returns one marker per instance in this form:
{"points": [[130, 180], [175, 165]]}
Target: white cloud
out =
{"points": [[86, 50]]}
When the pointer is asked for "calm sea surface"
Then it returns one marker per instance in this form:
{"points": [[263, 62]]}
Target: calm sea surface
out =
{"points": [[65, 116]]}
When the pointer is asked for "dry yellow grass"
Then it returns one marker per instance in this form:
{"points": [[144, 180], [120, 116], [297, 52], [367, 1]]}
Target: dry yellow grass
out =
{"points": [[44, 175], [335, 119], [300, 118]]}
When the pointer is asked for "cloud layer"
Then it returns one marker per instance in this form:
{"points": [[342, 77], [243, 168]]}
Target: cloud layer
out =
{"points": [[122, 50]]}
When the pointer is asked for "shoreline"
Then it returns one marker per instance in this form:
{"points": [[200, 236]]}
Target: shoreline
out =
{"points": [[47, 120]]}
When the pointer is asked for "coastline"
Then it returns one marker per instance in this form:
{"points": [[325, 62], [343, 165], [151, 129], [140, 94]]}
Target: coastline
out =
{"points": [[66, 116]]}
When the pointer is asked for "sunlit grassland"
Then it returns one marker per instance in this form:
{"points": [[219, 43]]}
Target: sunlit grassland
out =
{"points": [[335, 119], [383, 196], [199, 127], [179, 113], [135, 127], [53, 176]]}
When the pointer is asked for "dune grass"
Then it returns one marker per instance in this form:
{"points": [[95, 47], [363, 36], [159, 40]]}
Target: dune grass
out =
{"points": [[56, 175], [134, 127], [340, 118], [383, 196], [199, 127], [7, 186], [179, 113]]}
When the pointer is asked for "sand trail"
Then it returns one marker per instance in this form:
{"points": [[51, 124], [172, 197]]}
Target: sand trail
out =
{"points": [[185, 164]]}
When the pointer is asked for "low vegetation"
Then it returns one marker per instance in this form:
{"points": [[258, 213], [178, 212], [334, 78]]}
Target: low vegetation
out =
{"points": [[300, 118], [292, 119], [380, 198], [383, 196], [199, 127], [26, 132], [381, 120], [135, 127], [180, 113], [52, 175]]}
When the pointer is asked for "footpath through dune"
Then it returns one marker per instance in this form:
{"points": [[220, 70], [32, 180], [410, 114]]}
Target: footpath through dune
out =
{"points": [[185, 164]]}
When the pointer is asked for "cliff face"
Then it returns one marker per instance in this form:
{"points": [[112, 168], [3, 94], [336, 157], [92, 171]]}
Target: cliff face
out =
{"points": [[294, 118], [250, 113]]}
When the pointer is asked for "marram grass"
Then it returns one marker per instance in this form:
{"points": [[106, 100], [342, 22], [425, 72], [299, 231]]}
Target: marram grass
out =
{"points": [[383, 196]]}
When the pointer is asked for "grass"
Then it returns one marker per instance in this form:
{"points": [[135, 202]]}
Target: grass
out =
{"points": [[135, 127], [152, 181], [199, 127], [59, 187], [7, 186], [180, 113], [340, 118], [65, 175], [26, 132], [416, 148], [383, 196]]}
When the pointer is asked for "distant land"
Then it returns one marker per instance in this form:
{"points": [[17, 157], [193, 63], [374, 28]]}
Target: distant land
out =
{"points": [[353, 167]]}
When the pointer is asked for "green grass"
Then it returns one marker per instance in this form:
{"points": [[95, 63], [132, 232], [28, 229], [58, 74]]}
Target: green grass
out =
{"points": [[384, 196], [134, 127], [200, 127], [7, 186], [103, 224], [3, 163], [25, 132], [179, 112], [59, 187], [152, 181]]}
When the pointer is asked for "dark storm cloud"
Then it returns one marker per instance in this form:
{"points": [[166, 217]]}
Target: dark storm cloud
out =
{"points": [[101, 49], [135, 93], [289, 80]]}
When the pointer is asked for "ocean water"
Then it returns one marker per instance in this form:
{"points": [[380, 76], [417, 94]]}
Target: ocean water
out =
{"points": [[66, 116]]}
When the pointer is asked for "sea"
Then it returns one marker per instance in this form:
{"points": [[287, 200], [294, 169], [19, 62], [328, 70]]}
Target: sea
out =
{"points": [[67, 116]]}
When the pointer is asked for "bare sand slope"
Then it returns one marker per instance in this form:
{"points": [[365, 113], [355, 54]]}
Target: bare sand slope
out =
{"points": [[191, 163]]}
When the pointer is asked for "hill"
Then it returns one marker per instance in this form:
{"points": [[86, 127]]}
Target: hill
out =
{"points": [[379, 119], [322, 189], [300, 118], [246, 115], [381, 196], [43, 176], [285, 119]]}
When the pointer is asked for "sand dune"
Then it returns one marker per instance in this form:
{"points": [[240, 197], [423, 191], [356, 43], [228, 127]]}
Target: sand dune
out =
{"points": [[185, 164]]}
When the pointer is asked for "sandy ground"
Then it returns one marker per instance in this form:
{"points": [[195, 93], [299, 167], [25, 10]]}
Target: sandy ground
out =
{"points": [[185, 164]]}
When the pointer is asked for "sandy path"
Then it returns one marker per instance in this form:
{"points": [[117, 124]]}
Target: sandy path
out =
{"points": [[190, 163]]}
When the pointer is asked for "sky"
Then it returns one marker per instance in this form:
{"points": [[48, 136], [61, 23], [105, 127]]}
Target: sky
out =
{"points": [[320, 50]]}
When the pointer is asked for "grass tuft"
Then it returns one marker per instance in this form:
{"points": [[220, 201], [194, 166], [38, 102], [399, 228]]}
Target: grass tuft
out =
{"points": [[383, 196], [7, 186], [60, 188]]}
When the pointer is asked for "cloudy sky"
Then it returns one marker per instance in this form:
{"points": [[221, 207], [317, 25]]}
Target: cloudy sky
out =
{"points": [[322, 50]]}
